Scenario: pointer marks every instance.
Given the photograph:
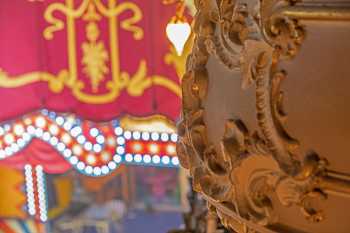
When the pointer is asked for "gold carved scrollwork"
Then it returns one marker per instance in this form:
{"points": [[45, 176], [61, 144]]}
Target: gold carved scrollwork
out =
{"points": [[240, 175], [95, 57]]}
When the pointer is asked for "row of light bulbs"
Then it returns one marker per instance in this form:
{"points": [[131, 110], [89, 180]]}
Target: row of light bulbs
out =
{"points": [[41, 191], [48, 132]]}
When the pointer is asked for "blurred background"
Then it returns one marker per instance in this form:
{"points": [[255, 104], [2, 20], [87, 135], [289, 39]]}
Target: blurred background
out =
{"points": [[90, 96]]}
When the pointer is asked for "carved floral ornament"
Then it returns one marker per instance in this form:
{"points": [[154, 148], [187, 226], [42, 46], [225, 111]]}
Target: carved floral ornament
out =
{"points": [[239, 176]]}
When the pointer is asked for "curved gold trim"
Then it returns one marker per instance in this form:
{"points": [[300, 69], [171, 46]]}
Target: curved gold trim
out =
{"points": [[130, 122]]}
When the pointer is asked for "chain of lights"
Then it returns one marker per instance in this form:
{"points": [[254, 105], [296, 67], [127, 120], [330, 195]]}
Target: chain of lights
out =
{"points": [[93, 149], [29, 189], [40, 181], [36, 191]]}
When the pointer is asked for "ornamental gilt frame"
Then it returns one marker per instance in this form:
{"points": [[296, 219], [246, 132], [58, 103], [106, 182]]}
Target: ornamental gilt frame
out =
{"points": [[251, 37]]}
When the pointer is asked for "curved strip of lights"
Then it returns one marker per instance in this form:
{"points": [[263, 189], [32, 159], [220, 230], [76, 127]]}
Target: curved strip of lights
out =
{"points": [[92, 149]]}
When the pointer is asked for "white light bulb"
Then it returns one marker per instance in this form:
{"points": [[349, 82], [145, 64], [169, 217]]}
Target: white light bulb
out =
{"points": [[156, 159], [128, 158], [178, 33], [147, 158], [117, 158], [138, 158], [112, 165]]}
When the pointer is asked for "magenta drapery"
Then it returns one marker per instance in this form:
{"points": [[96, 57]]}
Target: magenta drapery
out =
{"points": [[26, 52]]}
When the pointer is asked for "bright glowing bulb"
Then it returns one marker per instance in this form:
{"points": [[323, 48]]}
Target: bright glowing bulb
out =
{"points": [[137, 147], [66, 138], [19, 129], [90, 159], [153, 148], [112, 165], [77, 150], [9, 139], [178, 33], [171, 149], [40, 122], [105, 156]]}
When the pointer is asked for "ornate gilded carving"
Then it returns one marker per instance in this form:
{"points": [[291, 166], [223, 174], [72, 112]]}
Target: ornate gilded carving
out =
{"points": [[241, 175]]}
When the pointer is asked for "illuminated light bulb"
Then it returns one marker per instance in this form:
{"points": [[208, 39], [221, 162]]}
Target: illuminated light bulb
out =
{"points": [[105, 169], [67, 153], [128, 158], [81, 165], [61, 146], [171, 149], [81, 139], [94, 132], [44, 111], [145, 136], [112, 165], [137, 147], [88, 146], [26, 137], [97, 171], [39, 132], [21, 142], [120, 140], [73, 160], [174, 137], [136, 135], [88, 169], [153, 148], [147, 158], [8, 151], [53, 141], [2, 154], [15, 147], [175, 161], [164, 137], [46, 136], [178, 32], [67, 125], [7, 127], [54, 129], [155, 136], [90, 159], [27, 121], [105, 156], [118, 130], [77, 150], [110, 141], [66, 138], [60, 120], [40, 122], [31, 129], [138, 158], [165, 159], [97, 148], [100, 139], [120, 150], [9, 139], [117, 158], [127, 134], [76, 131], [156, 159], [18, 129]]}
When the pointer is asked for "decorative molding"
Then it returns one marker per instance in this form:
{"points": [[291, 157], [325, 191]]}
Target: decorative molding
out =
{"points": [[240, 176]]}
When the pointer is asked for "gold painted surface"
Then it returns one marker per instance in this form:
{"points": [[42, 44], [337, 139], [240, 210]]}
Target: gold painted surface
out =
{"points": [[155, 123], [12, 198]]}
